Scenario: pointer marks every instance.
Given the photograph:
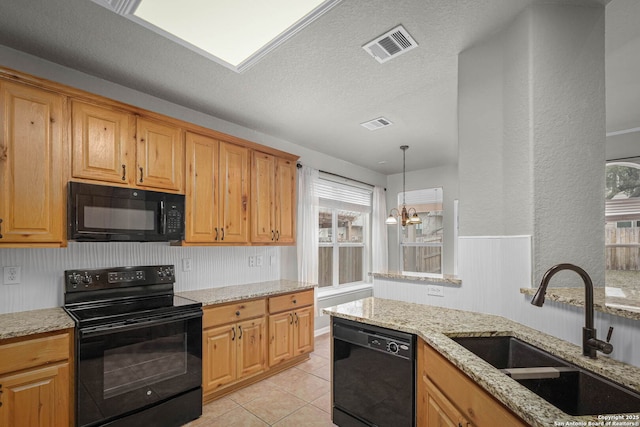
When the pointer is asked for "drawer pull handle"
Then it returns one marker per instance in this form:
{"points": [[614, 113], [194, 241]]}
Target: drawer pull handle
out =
{"points": [[222, 228], [141, 175], [277, 235], [0, 238], [290, 319], [216, 233], [273, 235], [240, 337], [233, 329], [124, 172], [296, 314]]}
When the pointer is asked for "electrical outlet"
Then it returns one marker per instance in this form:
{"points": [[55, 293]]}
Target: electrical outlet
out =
{"points": [[252, 261], [259, 261], [435, 290], [12, 275], [186, 264]]}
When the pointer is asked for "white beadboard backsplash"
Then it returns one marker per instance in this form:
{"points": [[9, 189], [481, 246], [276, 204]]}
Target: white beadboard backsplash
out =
{"points": [[43, 269], [493, 269]]}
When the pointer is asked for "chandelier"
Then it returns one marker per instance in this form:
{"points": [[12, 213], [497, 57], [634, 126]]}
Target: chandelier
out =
{"points": [[404, 216]]}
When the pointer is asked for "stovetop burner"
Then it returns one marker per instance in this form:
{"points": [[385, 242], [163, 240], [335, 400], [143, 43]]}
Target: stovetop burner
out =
{"points": [[116, 294]]}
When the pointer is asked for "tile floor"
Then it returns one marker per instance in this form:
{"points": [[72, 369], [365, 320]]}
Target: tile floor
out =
{"points": [[297, 397]]}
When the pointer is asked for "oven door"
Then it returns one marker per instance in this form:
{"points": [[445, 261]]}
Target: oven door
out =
{"points": [[129, 366]]}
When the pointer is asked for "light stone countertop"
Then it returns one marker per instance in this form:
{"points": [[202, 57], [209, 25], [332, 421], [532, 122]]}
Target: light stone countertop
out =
{"points": [[213, 296], [623, 306], [447, 279], [436, 324], [23, 323]]}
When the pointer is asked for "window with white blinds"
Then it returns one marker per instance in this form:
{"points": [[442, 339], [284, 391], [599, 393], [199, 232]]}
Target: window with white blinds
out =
{"points": [[344, 235]]}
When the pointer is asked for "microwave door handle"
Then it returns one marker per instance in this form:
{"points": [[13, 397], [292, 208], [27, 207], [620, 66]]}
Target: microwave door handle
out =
{"points": [[163, 222]]}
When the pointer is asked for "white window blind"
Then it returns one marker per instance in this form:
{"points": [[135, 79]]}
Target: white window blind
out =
{"points": [[343, 196]]}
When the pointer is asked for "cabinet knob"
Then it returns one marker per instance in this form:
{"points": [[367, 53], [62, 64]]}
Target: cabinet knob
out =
{"points": [[238, 313], [295, 301]]}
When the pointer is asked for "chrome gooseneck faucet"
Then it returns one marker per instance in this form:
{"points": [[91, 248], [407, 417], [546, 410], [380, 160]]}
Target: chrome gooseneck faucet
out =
{"points": [[590, 344]]}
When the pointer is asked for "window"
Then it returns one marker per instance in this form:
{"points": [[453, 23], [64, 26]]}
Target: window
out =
{"points": [[421, 244], [343, 222]]}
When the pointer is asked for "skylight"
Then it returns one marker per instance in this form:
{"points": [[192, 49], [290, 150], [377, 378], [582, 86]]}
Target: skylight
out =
{"points": [[236, 33]]}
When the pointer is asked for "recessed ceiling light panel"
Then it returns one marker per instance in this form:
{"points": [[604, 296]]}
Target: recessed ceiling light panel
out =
{"points": [[391, 44], [236, 34]]}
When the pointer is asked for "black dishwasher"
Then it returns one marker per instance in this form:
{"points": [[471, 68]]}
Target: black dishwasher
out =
{"points": [[373, 376]]}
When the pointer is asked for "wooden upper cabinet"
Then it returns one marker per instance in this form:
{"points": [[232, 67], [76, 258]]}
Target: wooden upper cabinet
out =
{"points": [[101, 141], [285, 206], [217, 191], [159, 155], [32, 206], [234, 193], [263, 198], [273, 188]]}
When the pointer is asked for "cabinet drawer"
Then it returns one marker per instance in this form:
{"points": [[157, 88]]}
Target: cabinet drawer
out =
{"points": [[228, 313], [290, 301], [33, 352]]}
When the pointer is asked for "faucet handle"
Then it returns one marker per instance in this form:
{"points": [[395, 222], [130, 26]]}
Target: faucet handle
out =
{"points": [[609, 333]]}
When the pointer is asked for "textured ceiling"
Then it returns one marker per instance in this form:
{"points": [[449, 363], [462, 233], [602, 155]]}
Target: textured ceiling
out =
{"points": [[313, 91]]}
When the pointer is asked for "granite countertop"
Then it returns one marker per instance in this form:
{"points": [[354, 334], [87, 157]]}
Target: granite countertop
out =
{"points": [[23, 323], [240, 292], [618, 301], [446, 279], [436, 324]]}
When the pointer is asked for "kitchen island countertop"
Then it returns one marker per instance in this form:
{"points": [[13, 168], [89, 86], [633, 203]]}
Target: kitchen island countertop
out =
{"points": [[436, 324]]}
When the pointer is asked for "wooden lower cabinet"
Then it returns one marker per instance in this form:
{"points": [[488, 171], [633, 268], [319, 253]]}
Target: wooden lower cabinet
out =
{"points": [[290, 332], [234, 351], [35, 382], [447, 397]]}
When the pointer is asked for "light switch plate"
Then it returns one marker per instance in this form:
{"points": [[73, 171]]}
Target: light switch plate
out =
{"points": [[12, 275]]}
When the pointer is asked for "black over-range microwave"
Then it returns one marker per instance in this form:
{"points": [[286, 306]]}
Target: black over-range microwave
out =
{"points": [[100, 213]]}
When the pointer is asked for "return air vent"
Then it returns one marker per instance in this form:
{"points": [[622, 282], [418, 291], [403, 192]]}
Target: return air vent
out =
{"points": [[391, 44], [376, 124]]}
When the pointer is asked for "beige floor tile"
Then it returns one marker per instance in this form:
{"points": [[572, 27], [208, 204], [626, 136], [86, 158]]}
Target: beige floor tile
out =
{"points": [[314, 362], [254, 391], [307, 387], [322, 352], [323, 372], [218, 407], [323, 402], [285, 378], [274, 406], [307, 416], [239, 417]]}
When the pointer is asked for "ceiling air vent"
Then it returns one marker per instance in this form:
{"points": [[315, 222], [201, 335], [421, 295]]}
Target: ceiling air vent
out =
{"points": [[376, 124], [391, 44]]}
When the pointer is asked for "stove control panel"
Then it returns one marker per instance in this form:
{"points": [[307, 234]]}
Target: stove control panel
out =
{"points": [[118, 277]]}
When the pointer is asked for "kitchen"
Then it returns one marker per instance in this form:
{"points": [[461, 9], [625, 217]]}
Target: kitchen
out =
{"points": [[479, 189]]}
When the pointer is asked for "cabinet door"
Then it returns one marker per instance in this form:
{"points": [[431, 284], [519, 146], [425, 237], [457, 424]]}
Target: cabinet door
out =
{"points": [[201, 193], [100, 143], [219, 357], [252, 347], [285, 204], [280, 337], [440, 412], [159, 155], [263, 198], [36, 398], [31, 161], [234, 193], [303, 329]]}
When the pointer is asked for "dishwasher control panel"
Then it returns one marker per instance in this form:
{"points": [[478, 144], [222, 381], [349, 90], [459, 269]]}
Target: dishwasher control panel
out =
{"points": [[389, 345]]}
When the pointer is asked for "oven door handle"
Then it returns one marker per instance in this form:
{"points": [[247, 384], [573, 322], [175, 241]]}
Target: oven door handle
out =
{"points": [[132, 324]]}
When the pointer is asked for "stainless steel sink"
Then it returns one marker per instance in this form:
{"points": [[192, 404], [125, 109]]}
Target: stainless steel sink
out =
{"points": [[570, 388]]}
